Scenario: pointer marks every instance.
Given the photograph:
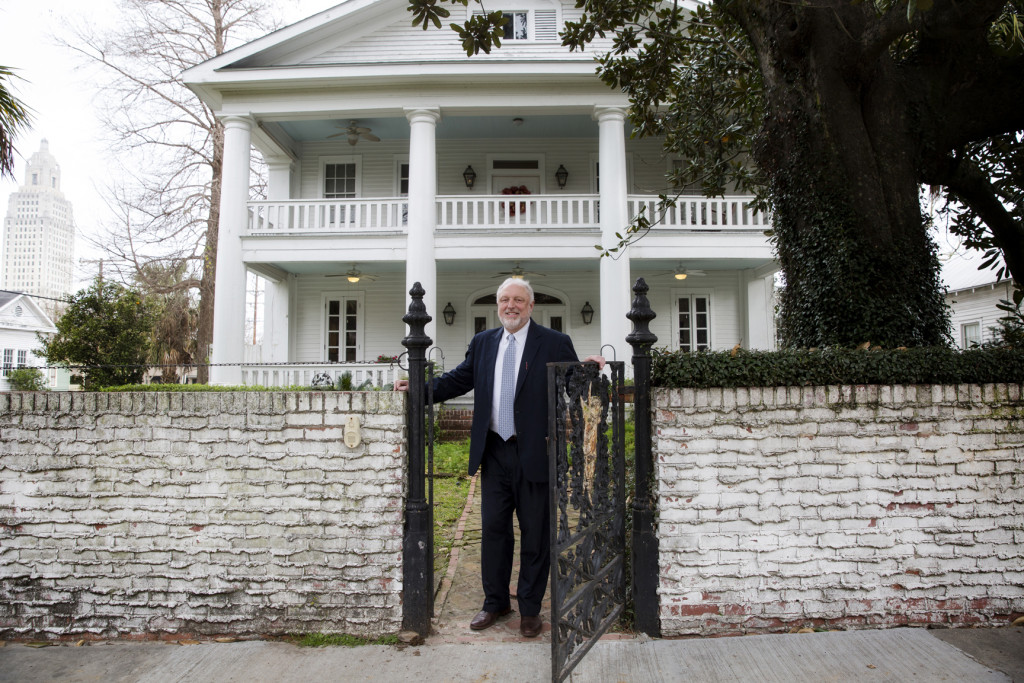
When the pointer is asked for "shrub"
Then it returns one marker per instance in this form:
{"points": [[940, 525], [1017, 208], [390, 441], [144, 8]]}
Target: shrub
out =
{"points": [[26, 379], [922, 365]]}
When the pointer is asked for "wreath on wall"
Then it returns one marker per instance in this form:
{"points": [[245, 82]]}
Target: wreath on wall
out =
{"points": [[515, 189]]}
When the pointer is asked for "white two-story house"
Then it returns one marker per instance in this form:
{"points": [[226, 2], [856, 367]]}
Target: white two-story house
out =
{"points": [[391, 156]]}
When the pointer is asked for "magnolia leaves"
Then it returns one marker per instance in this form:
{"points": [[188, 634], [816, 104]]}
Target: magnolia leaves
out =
{"points": [[478, 34]]}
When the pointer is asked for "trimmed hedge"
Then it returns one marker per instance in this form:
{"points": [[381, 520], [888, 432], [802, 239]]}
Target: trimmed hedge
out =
{"points": [[921, 365]]}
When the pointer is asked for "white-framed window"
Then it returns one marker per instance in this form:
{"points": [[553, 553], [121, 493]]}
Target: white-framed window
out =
{"points": [[8, 361], [529, 20], [693, 321], [22, 358], [401, 176], [340, 177], [970, 334], [343, 327]]}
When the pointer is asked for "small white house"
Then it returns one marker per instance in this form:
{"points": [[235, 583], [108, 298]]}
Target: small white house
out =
{"points": [[972, 295], [391, 158], [20, 320]]}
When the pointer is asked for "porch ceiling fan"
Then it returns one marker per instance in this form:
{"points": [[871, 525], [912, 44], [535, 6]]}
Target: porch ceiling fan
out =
{"points": [[354, 133], [518, 272], [355, 275], [681, 273]]}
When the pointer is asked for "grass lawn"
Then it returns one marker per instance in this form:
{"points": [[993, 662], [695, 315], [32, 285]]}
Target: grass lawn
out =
{"points": [[451, 487]]}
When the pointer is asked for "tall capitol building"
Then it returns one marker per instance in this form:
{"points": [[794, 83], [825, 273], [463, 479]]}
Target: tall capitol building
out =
{"points": [[39, 234]]}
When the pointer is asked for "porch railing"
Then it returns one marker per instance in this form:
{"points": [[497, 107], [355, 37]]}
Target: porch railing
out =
{"points": [[327, 215], [302, 374], [504, 212], [518, 211], [700, 213]]}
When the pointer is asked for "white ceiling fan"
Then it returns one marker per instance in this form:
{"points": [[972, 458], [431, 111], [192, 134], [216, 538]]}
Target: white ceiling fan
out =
{"points": [[355, 275], [354, 133], [518, 272], [681, 273]]}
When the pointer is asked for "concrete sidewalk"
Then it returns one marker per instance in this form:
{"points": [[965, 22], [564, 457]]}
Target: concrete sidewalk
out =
{"points": [[883, 655]]}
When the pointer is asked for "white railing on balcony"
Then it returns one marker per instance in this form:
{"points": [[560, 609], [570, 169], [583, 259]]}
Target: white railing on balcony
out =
{"points": [[518, 211], [301, 374], [700, 213], [327, 215], [504, 212]]}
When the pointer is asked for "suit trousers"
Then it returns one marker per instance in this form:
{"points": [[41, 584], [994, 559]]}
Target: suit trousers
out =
{"points": [[505, 489]]}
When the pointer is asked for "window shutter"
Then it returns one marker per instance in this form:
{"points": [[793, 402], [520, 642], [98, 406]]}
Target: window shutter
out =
{"points": [[545, 24]]}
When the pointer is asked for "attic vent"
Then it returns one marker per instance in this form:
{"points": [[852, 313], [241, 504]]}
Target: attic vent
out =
{"points": [[18, 311], [545, 24]]}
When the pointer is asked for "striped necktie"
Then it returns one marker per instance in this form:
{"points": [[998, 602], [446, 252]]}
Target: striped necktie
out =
{"points": [[506, 416]]}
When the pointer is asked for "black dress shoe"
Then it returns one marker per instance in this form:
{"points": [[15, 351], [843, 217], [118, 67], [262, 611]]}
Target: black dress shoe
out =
{"points": [[485, 619], [531, 626]]}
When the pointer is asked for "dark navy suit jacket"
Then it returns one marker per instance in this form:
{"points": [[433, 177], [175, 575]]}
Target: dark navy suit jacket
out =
{"points": [[476, 372]]}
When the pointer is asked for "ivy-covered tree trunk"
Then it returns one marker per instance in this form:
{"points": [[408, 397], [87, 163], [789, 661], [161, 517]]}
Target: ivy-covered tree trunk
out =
{"points": [[840, 148]]}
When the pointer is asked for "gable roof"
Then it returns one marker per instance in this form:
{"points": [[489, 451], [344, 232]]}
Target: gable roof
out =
{"points": [[960, 271], [374, 40], [19, 311]]}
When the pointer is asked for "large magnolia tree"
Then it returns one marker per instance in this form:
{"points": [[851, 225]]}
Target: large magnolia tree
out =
{"points": [[836, 113]]}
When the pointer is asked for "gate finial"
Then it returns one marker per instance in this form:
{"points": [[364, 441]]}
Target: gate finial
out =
{"points": [[641, 314], [417, 319]]}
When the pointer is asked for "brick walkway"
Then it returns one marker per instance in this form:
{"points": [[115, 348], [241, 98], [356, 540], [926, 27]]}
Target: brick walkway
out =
{"points": [[461, 595]]}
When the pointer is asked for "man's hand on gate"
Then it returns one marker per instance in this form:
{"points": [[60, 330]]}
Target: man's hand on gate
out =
{"points": [[401, 385], [595, 359]]}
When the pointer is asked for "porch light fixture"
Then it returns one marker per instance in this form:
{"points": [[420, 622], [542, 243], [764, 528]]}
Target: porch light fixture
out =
{"points": [[469, 175], [680, 275], [561, 175], [352, 277], [587, 313], [449, 314]]}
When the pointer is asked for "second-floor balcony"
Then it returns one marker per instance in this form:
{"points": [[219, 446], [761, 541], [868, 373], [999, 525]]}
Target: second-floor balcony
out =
{"points": [[508, 213]]}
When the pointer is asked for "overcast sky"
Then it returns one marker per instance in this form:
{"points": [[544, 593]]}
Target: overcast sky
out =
{"points": [[64, 103]]}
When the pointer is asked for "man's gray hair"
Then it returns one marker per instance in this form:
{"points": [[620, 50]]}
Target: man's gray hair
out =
{"points": [[516, 281]]}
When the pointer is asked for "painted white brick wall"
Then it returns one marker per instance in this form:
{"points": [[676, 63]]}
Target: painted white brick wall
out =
{"points": [[839, 506], [204, 513]]}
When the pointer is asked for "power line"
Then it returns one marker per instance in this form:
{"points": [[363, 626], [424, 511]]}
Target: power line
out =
{"points": [[36, 296]]}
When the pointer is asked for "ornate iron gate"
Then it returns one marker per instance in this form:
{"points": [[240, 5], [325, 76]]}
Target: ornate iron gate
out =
{"points": [[586, 446]]}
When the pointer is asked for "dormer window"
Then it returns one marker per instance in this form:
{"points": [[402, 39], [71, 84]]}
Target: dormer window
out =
{"points": [[528, 20], [516, 28]]}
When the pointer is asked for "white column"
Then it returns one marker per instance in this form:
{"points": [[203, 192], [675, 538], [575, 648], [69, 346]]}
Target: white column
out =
{"points": [[229, 305], [277, 293], [615, 284], [279, 178], [760, 323], [420, 264], [277, 319]]}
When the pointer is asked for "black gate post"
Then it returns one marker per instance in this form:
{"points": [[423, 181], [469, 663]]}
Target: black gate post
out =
{"points": [[417, 544], [645, 541]]}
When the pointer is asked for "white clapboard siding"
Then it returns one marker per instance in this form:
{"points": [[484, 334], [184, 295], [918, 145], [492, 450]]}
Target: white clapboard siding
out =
{"points": [[647, 163], [400, 41], [977, 305]]}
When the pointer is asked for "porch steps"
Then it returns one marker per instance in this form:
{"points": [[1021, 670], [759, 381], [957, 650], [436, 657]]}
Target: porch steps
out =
{"points": [[456, 423]]}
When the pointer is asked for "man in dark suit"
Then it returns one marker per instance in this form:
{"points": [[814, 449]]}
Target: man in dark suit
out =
{"points": [[508, 442]]}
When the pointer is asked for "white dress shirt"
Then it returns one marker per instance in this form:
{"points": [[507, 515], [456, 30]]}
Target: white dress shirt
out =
{"points": [[499, 364]]}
